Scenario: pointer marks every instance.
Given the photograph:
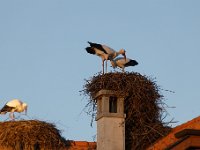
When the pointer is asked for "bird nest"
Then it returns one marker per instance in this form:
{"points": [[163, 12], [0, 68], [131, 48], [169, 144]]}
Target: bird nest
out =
{"points": [[31, 134], [144, 106]]}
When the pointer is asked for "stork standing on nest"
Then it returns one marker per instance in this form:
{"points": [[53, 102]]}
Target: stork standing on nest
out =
{"points": [[122, 63], [12, 106], [105, 52]]}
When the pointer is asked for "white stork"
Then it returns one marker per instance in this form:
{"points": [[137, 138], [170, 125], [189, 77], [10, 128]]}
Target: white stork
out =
{"points": [[122, 63], [105, 52], [12, 106]]}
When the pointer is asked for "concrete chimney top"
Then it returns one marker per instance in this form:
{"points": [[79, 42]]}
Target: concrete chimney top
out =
{"points": [[110, 120]]}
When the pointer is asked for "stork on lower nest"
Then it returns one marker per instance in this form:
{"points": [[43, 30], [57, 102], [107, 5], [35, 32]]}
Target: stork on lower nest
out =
{"points": [[12, 106]]}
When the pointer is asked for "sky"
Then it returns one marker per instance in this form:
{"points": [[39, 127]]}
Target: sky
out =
{"points": [[43, 61]]}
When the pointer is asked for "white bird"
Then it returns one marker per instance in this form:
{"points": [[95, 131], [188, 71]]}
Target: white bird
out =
{"points": [[122, 63], [105, 52], [12, 106]]}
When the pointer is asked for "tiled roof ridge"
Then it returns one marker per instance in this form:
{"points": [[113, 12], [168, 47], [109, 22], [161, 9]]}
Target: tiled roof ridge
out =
{"points": [[170, 138], [187, 124]]}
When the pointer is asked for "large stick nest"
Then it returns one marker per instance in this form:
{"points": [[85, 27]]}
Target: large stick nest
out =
{"points": [[143, 106], [31, 134]]}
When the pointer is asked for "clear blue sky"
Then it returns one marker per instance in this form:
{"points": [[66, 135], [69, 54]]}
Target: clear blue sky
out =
{"points": [[44, 63]]}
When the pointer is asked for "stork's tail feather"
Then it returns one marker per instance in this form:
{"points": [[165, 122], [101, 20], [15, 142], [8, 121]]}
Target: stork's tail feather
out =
{"points": [[132, 63], [6, 109], [98, 46], [90, 42], [2, 112]]}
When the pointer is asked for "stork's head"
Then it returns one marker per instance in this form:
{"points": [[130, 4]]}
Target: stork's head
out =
{"points": [[25, 107], [123, 52]]}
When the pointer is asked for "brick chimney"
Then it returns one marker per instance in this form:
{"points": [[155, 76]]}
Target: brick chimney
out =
{"points": [[110, 120]]}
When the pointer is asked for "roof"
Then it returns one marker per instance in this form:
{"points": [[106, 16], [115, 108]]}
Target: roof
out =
{"points": [[176, 133], [188, 132], [82, 145]]}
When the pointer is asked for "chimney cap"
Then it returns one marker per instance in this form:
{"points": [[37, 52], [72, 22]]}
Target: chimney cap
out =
{"points": [[110, 93]]}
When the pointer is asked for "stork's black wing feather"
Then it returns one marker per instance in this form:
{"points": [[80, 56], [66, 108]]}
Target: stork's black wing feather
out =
{"points": [[131, 63], [97, 46], [90, 50], [6, 108]]}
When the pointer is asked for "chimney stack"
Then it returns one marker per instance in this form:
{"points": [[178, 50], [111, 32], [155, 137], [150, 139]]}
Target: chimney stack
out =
{"points": [[110, 120]]}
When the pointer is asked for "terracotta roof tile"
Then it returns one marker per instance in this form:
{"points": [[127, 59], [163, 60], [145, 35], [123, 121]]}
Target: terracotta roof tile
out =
{"points": [[170, 138], [82, 145]]}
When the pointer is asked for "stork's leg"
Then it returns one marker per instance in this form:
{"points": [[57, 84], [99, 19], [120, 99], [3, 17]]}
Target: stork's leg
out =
{"points": [[11, 115], [106, 66], [103, 66]]}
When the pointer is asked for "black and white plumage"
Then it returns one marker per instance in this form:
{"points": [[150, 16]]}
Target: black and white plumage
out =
{"points": [[12, 106], [122, 63], [105, 52]]}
